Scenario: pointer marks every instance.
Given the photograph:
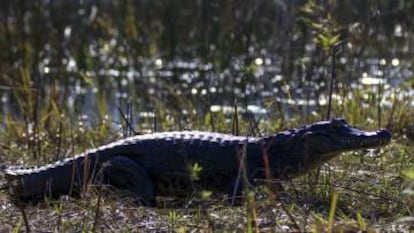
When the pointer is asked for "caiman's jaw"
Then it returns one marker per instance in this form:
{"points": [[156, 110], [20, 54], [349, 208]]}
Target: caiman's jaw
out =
{"points": [[365, 140], [329, 138], [297, 151]]}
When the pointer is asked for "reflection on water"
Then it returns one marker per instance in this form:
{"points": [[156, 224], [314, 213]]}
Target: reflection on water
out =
{"points": [[202, 56], [175, 82]]}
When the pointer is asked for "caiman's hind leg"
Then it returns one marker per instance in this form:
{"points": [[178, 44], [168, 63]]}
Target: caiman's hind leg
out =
{"points": [[124, 173]]}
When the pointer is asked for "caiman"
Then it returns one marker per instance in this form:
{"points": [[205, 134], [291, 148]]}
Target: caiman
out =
{"points": [[160, 164]]}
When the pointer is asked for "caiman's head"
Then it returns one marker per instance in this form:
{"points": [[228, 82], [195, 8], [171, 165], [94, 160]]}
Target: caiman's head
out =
{"points": [[299, 150]]}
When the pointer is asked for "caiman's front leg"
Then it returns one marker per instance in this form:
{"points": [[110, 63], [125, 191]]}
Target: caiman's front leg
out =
{"points": [[124, 173]]}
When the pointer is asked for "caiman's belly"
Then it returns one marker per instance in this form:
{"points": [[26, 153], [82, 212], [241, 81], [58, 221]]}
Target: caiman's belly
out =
{"points": [[183, 184]]}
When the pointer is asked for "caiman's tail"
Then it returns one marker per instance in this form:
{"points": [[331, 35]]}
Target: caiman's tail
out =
{"points": [[3, 182], [62, 178]]}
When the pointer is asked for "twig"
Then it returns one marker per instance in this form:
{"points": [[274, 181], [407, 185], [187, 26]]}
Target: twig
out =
{"points": [[254, 124], [127, 121], [331, 86], [236, 120], [59, 142], [290, 216], [155, 122], [97, 210], [26, 221], [335, 51], [213, 127]]}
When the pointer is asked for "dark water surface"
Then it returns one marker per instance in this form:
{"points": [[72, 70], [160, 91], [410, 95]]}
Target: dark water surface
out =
{"points": [[195, 57]]}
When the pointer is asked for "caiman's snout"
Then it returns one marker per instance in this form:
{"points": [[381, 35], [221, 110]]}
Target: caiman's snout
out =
{"points": [[373, 139]]}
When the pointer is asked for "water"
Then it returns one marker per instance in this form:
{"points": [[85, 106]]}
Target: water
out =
{"points": [[200, 57], [207, 88]]}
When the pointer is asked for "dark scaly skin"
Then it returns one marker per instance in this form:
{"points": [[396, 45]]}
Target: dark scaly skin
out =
{"points": [[159, 163]]}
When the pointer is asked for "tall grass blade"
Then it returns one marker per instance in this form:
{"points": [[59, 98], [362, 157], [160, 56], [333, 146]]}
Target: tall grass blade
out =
{"points": [[332, 210]]}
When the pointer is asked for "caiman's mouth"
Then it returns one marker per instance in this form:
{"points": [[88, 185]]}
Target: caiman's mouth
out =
{"points": [[366, 140], [352, 139]]}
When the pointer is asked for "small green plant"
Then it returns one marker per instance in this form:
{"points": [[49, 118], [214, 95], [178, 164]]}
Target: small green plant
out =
{"points": [[59, 210], [324, 27], [195, 171], [408, 174], [205, 194], [362, 224], [172, 216]]}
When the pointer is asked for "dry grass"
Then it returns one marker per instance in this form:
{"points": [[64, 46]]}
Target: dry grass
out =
{"points": [[370, 192], [372, 196]]}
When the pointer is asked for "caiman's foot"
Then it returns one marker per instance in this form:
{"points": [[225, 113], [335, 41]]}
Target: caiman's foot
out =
{"points": [[124, 173]]}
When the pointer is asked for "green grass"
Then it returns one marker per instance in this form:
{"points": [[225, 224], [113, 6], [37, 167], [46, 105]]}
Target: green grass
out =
{"points": [[356, 191], [353, 192]]}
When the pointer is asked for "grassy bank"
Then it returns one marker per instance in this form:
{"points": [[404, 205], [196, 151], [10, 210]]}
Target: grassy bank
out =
{"points": [[368, 190]]}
